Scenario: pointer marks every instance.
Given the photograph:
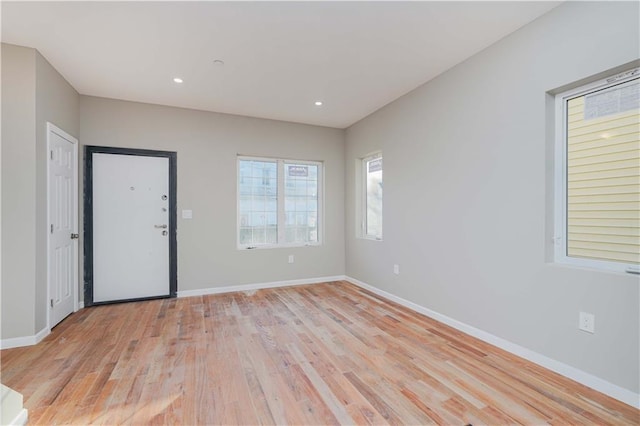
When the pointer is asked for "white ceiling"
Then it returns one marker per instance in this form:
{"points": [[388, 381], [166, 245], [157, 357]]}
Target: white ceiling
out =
{"points": [[279, 57]]}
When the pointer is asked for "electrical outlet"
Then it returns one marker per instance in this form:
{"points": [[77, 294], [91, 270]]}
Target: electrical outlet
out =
{"points": [[291, 258], [396, 269], [587, 322]]}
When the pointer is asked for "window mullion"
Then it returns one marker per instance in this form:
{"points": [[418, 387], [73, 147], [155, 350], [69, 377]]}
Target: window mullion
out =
{"points": [[364, 198], [281, 198]]}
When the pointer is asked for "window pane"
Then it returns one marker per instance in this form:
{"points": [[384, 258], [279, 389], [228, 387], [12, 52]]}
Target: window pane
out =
{"points": [[603, 174], [257, 207], [272, 235], [301, 201], [373, 219]]}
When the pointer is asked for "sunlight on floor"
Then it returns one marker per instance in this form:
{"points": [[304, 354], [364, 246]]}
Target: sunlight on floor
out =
{"points": [[143, 412]]}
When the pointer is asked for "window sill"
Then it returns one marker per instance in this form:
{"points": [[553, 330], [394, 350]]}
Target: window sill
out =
{"points": [[370, 238], [617, 269], [277, 246]]}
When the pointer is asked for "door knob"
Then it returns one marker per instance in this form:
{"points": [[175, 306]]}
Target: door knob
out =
{"points": [[160, 226]]}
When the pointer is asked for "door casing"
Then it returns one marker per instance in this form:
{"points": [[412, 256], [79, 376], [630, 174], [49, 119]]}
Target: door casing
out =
{"points": [[88, 218]]}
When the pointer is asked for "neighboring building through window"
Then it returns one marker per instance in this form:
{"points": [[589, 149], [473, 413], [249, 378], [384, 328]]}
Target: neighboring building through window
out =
{"points": [[278, 202], [372, 188], [598, 178]]}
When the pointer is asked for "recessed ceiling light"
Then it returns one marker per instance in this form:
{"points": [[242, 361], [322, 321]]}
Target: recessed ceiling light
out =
{"points": [[318, 103], [177, 80]]}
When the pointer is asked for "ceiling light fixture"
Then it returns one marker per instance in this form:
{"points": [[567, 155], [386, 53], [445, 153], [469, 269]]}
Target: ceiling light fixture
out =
{"points": [[318, 103], [177, 80]]}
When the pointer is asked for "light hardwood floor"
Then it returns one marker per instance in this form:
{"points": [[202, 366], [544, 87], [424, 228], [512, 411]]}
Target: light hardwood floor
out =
{"points": [[328, 353]]}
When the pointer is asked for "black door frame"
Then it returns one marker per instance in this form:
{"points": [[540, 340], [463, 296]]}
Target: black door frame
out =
{"points": [[89, 150]]}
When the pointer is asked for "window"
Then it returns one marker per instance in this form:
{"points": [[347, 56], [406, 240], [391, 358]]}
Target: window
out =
{"points": [[279, 202], [598, 174], [372, 189]]}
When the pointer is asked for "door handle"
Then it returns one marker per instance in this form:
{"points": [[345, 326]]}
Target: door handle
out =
{"points": [[160, 226], [75, 236]]}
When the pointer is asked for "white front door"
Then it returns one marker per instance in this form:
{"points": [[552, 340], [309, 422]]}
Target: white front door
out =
{"points": [[63, 224], [131, 235]]}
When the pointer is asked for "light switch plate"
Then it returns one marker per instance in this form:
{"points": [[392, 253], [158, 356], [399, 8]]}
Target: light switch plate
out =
{"points": [[187, 214]]}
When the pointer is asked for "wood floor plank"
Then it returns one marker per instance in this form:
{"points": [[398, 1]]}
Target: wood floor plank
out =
{"points": [[322, 354]]}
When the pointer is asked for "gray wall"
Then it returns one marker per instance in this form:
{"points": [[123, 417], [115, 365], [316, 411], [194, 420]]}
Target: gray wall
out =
{"points": [[18, 190], [467, 195], [32, 94], [207, 145]]}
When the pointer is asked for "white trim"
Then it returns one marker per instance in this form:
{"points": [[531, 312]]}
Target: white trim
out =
{"points": [[607, 388], [20, 419], [52, 128], [18, 342], [259, 286], [80, 305]]}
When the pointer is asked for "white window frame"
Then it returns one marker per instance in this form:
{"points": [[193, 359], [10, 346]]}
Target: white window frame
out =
{"points": [[560, 176], [281, 214], [363, 189]]}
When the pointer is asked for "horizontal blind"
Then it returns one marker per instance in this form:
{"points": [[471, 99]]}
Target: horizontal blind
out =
{"points": [[603, 175]]}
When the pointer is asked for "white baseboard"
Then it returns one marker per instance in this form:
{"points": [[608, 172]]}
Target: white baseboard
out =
{"points": [[17, 342], [21, 419], [42, 334], [594, 382], [258, 286], [12, 411], [80, 305]]}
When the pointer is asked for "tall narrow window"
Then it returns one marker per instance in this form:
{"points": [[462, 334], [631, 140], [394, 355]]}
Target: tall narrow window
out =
{"points": [[598, 215], [278, 202], [372, 215]]}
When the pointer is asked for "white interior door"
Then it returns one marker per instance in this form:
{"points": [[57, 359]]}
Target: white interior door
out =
{"points": [[63, 224], [130, 227]]}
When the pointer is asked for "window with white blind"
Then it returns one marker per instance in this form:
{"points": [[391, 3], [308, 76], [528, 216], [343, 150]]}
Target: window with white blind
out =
{"points": [[598, 174], [279, 202]]}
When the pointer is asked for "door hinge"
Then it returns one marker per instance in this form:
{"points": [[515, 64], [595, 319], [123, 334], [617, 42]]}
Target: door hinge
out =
{"points": [[51, 152], [52, 303], [52, 228]]}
